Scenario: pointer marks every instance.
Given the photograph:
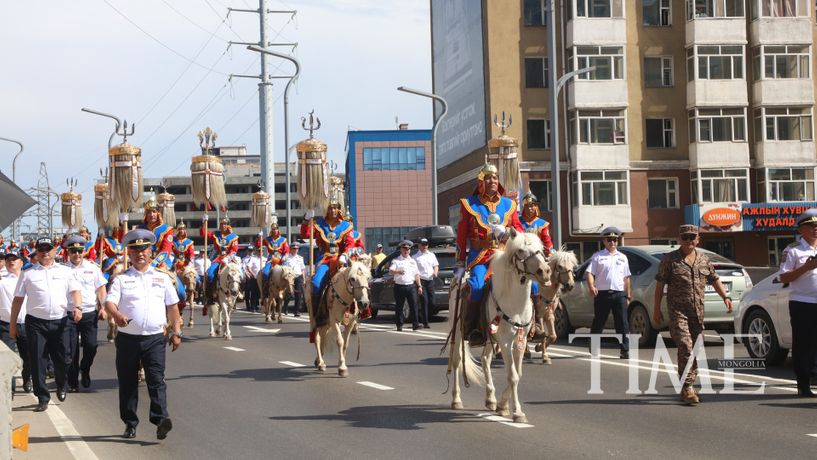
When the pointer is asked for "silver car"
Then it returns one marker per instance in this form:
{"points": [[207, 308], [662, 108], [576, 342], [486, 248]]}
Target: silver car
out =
{"points": [[577, 305], [764, 310]]}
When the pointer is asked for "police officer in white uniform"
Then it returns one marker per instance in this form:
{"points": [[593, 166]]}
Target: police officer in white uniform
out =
{"points": [[84, 331], [608, 279], [429, 267], [294, 261], [797, 267], [406, 284], [53, 298], [8, 283], [141, 300]]}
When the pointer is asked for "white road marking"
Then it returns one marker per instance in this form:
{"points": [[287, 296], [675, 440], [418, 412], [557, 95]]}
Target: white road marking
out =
{"points": [[292, 364], [793, 390], [812, 435], [262, 329], [376, 386], [68, 433], [504, 421], [234, 349]]}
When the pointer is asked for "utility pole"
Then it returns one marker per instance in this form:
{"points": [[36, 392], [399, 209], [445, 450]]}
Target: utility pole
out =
{"points": [[264, 101]]}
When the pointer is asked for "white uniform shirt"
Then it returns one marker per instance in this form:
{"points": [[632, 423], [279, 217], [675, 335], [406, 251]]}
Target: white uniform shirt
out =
{"points": [[90, 279], [296, 263], [48, 290], [3, 272], [609, 270], [143, 297], [426, 263], [7, 285], [201, 265], [251, 265], [804, 288], [407, 264]]}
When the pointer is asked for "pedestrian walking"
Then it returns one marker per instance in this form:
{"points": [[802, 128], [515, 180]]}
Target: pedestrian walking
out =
{"points": [[378, 256], [141, 301], [83, 332], [429, 267], [8, 282], [294, 261], [251, 264], [608, 279], [406, 285], [686, 272], [53, 299], [797, 267]]}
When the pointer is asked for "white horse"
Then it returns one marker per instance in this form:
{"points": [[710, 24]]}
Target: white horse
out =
{"points": [[347, 293], [228, 291], [275, 290], [510, 311], [562, 264]]}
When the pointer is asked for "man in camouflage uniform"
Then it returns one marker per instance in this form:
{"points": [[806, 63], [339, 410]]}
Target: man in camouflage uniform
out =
{"points": [[686, 272]]}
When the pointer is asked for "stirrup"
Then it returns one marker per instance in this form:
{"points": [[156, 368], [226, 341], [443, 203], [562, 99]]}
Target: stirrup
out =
{"points": [[476, 338]]}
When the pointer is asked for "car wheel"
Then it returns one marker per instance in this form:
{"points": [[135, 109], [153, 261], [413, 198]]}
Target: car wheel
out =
{"points": [[766, 347], [640, 324], [563, 327]]}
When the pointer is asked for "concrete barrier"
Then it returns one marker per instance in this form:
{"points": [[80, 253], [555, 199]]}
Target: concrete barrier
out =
{"points": [[10, 363]]}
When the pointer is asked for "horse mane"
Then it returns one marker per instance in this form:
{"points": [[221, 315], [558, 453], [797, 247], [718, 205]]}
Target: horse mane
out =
{"points": [[562, 257], [359, 266], [513, 244]]}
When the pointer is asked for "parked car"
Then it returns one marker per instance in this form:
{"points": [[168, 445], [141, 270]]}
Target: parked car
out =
{"points": [[381, 294], [577, 305], [764, 310]]}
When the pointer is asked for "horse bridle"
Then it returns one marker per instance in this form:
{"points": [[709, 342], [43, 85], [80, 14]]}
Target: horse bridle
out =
{"points": [[350, 289], [523, 271]]}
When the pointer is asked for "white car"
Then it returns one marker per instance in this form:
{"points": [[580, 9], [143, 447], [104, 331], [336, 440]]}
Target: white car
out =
{"points": [[764, 310]]}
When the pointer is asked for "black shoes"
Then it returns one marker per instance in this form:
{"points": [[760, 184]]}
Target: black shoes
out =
{"points": [[426, 326], [73, 389], [805, 393], [27, 387], [624, 354], [163, 428], [130, 432], [86, 379], [400, 328], [61, 395], [415, 327], [41, 407], [476, 338]]}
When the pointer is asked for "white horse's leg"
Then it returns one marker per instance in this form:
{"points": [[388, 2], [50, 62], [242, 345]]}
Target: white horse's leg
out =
{"points": [[190, 321], [456, 363], [279, 303], [513, 382], [211, 314], [490, 390], [320, 334], [225, 314], [342, 370]]}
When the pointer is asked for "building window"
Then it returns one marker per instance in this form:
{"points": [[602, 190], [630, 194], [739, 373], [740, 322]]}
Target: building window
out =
{"points": [[779, 61], [608, 61], [536, 72], [715, 62], [783, 124], [394, 158], [600, 8], [658, 72], [717, 125], [697, 9], [663, 193], [538, 134], [776, 246], [603, 188], [779, 8], [660, 133], [720, 185], [542, 190], [790, 184], [657, 12], [534, 12], [598, 126], [389, 237]]}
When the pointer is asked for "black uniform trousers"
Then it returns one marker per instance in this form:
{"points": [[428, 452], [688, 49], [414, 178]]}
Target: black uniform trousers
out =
{"points": [[603, 304], [48, 338], [803, 316], [251, 294], [20, 346], [151, 351], [428, 297], [83, 335], [405, 293], [298, 296]]}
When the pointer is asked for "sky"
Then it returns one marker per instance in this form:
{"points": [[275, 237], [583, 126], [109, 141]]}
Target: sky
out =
{"points": [[165, 64]]}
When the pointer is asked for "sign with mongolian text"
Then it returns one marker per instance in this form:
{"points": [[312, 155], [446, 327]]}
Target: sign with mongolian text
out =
{"points": [[759, 217]]}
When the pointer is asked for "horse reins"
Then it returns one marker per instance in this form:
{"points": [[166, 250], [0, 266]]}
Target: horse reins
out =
{"points": [[523, 271]]}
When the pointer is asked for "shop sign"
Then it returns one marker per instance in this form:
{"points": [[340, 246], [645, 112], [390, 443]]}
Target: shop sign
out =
{"points": [[773, 216], [721, 217]]}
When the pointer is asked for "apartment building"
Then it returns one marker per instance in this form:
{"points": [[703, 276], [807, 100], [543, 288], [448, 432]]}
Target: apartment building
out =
{"points": [[698, 111]]}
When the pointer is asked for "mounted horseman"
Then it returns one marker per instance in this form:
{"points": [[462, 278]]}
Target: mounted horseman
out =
{"points": [[276, 246], [225, 244], [183, 248], [532, 222]]}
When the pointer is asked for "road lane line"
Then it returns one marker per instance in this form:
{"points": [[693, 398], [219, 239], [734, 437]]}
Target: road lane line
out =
{"points": [[68, 433], [292, 364], [812, 435], [376, 386], [504, 421], [234, 349], [262, 329]]}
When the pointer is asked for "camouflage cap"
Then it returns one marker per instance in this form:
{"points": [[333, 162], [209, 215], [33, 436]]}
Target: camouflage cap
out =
{"points": [[688, 229]]}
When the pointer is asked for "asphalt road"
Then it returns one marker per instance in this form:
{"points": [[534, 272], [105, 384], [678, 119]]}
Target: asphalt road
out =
{"points": [[262, 398]]}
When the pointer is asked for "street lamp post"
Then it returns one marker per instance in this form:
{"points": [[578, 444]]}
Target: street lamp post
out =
{"points": [[286, 127], [433, 145], [14, 179]]}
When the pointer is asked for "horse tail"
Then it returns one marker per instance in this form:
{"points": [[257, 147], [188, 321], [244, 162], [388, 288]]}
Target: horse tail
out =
{"points": [[329, 340], [460, 352]]}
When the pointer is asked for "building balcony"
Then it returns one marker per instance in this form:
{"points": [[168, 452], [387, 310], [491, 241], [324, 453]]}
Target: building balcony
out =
{"points": [[784, 153], [592, 219], [596, 31], [586, 94], [599, 156], [780, 31], [718, 155], [721, 93], [721, 31], [783, 91]]}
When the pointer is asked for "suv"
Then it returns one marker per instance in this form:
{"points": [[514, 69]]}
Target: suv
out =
{"points": [[441, 238]]}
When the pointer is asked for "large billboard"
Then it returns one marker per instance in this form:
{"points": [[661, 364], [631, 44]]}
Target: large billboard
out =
{"points": [[459, 77]]}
